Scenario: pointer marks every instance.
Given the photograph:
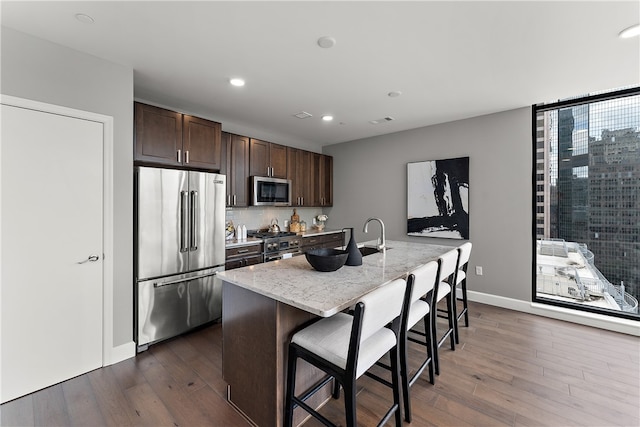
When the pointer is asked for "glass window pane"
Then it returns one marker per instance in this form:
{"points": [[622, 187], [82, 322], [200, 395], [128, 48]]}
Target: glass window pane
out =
{"points": [[588, 213]]}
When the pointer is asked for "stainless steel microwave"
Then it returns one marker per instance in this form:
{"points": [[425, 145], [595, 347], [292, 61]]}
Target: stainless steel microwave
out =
{"points": [[270, 191]]}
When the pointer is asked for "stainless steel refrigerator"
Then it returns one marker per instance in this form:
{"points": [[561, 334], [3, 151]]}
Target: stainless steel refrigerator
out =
{"points": [[180, 246]]}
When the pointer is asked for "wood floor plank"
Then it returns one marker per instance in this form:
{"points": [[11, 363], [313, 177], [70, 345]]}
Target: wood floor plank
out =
{"points": [[49, 407], [110, 397], [81, 403], [179, 371], [175, 396], [148, 407], [18, 412], [218, 409], [470, 414]]}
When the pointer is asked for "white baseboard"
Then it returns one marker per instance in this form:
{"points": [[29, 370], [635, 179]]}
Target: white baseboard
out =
{"points": [[616, 324], [120, 353]]}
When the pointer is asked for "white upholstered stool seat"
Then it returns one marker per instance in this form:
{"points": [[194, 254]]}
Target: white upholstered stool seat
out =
{"points": [[329, 339], [345, 346]]}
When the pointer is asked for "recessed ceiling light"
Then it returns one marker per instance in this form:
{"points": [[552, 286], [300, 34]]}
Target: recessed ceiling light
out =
{"points": [[327, 117], [84, 18], [326, 42], [394, 94], [302, 115], [237, 82], [632, 31]]}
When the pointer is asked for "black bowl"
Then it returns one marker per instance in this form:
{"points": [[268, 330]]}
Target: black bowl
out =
{"points": [[326, 259]]}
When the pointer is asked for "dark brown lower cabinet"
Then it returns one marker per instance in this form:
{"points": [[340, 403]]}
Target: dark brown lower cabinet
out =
{"points": [[330, 240], [242, 256]]}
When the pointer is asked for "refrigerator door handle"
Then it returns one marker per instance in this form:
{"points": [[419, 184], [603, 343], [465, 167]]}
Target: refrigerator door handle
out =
{"points": [[184, 279], [184, 215], [193, 244]]}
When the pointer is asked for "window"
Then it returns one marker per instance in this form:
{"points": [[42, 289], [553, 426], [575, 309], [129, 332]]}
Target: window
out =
{"points": [[586, 231]]}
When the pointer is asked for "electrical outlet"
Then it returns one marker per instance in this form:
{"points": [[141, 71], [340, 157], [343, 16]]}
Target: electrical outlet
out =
{"points": [[478, 270]]}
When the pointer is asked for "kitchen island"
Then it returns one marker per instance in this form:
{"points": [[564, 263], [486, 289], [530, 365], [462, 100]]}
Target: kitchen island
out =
{"points": [[264, 304]]}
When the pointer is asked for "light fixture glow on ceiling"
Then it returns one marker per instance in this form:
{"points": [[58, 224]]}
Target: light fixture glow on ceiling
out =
{"points": [[327, 117], [84, 18], [632, 31], [237, 82]]}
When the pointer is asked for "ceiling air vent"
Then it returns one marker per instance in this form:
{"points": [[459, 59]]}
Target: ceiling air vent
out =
{"points": [[302, 115], [382, 120]]}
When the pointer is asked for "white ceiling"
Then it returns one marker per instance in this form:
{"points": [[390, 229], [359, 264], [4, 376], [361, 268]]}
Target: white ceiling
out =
{"points": [[450, 59]]}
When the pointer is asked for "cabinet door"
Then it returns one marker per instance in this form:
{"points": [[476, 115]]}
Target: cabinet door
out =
{"points": [[238, 170], [326, 177], [315, 180], [158, 135], [259, 158], [278, 160], [299, 172], [322, 180], [267, 159], [201, 143]]}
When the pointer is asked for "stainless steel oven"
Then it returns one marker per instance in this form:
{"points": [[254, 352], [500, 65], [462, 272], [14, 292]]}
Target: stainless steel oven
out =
{"points": [[279, 245]]}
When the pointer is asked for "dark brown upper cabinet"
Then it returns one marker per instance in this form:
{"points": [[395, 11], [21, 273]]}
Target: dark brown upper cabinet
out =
{"points": [[267, 159], [164, 137], [322, 180], [235, 154], [299, 172]]}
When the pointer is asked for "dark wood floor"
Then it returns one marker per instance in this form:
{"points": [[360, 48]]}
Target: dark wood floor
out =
{"points": [[510, 369]]}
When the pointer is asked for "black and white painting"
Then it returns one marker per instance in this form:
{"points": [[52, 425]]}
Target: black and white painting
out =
{"points": [[438, 198]]}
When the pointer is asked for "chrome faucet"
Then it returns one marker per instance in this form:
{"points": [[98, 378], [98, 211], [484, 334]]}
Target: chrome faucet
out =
{"points": [[381, 239]]}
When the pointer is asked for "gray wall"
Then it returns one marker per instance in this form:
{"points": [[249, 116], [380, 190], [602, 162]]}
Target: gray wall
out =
{"points": [[39, 70], [370, 179]]}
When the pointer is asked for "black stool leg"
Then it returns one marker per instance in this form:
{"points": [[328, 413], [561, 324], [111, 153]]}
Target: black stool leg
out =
{"points": [[350, 403], [291, 384], [452, 319], [404, 376], [395, 380], [464, 302], [429, 349]]}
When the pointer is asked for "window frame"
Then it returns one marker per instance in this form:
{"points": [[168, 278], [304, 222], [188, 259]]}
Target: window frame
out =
{"points": [[535, 110]]}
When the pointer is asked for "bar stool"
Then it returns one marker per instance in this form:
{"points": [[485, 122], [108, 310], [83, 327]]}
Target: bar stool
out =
{"points": [[345, 346], [464, 253], [443, 290], [421, 284]]}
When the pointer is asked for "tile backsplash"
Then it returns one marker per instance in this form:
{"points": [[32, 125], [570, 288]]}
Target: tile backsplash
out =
{"points": [[255, 218]]}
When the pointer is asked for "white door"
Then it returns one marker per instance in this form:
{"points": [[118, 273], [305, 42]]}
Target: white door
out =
{"points": [[51, 252]]}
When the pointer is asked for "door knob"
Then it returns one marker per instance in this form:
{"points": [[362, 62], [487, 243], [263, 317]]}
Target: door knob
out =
{"points": [[92, 258]]}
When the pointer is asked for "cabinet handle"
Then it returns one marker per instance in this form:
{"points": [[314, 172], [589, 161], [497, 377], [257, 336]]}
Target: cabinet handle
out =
{"points": [[243, 251], [186, 156], [234, 200], [179, 156], [302, 201]]}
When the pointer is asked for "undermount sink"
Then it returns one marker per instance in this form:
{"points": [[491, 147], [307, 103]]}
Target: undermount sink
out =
{"points": [[367, 250]]}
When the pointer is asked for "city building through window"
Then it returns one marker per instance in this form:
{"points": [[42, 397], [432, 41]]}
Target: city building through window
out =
{"points": [[586, 203]]}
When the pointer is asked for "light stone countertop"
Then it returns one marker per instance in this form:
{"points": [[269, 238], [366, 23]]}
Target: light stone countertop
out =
{"points": [[293, 281], [232, 243]]}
